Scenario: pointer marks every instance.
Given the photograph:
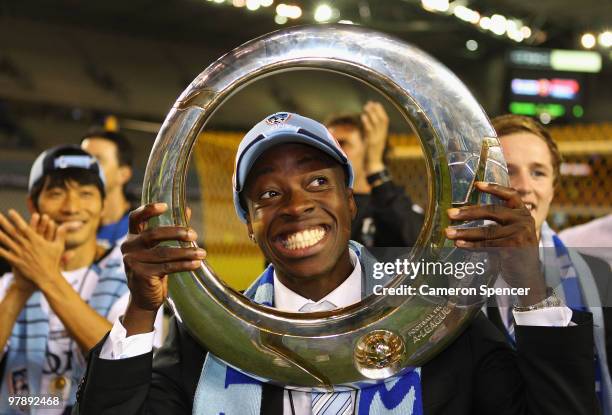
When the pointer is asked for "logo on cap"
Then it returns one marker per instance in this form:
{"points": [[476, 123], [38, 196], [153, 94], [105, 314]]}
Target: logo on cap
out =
{"points": [[82, 162], [279, 118]]}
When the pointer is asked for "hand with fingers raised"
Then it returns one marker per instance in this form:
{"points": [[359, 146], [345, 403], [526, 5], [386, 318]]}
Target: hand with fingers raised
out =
{"points": [[513, 237], [33, 249], [148, 264], [375, 127], [45, 227]]}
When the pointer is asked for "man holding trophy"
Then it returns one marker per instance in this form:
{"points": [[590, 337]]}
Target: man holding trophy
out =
{"points": [[293, 189]]}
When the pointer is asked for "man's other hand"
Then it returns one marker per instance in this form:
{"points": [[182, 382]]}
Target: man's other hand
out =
{"points": [[148, 262]]}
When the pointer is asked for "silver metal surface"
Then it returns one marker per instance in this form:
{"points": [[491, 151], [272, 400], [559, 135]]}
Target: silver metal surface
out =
{"points": [[323, 349]]}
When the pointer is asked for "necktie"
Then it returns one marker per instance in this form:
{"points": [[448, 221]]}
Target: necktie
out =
{"points": [[338, 403]]}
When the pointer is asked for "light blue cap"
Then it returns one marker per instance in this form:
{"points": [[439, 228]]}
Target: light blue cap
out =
{"points": [[65, 157], [283, 128]]}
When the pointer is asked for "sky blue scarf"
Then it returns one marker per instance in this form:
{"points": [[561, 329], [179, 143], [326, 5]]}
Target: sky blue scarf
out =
{"points": [[224, 390]]}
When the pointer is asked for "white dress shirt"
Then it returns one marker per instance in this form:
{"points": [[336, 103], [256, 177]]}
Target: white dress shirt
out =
{"points": [[347, 293]]}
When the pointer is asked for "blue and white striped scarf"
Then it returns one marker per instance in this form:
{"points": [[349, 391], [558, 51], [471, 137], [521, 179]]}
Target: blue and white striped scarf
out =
{"points": [[568, 270], [223, 390], [28, 341]]}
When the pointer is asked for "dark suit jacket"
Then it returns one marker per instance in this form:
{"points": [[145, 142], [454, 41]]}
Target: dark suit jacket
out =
{"points": [[550, 373], [390, 208], [602, 275]]}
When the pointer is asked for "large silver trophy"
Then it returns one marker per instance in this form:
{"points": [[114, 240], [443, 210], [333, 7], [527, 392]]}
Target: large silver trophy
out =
{"points": [[380, 336]]}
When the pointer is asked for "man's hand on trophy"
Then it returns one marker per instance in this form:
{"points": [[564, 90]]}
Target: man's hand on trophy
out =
{"points": [[514, 234], [148, 263]]}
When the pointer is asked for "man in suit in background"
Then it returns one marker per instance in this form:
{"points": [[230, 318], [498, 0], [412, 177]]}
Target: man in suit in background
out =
{"points": [[386, 217]]}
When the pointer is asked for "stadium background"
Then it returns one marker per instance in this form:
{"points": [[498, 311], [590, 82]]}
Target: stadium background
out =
{"points": [[65, 66]]}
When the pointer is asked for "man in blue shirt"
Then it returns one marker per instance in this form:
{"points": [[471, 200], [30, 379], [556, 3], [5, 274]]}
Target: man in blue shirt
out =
{"points": [[115, 155]]}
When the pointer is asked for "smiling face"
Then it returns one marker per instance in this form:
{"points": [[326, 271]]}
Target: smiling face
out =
{"points": [[106, 152], [300, 212], [531, 172], [78, 205]]}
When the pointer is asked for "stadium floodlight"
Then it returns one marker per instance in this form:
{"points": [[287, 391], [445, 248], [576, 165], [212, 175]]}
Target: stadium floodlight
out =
{"points": [[323, 13], [588, 40]]}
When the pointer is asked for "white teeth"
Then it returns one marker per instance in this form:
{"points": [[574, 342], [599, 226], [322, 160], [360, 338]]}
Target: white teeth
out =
{"points": [[304, 239], [74, 224]]}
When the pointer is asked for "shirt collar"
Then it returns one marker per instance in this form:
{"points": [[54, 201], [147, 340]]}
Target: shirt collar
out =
{"points": [[347, 293]]}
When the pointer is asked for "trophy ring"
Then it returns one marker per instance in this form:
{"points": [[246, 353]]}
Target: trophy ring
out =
{"points": [[381, 336]]}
